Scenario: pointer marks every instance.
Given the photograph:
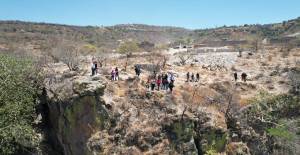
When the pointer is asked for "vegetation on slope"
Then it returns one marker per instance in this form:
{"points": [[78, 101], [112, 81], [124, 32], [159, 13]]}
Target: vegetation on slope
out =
{"points": [[18, 94], [279, 117]]}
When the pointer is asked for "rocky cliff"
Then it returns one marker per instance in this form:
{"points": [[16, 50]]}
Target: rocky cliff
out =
{"points": [[93, 115], [75, 110]]}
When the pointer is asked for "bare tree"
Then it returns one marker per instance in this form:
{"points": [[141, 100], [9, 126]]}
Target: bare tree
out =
{"points": [[165, 59], [184, 57], [127, 48], [67, 54], [102, 59], [157, 61], [190, 99], [286, 48]]}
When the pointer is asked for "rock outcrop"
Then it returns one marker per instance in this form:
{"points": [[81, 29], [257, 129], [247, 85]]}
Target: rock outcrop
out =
{"points": [[88, 116], [76, 111]]}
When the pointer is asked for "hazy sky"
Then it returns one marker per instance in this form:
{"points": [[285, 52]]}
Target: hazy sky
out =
{"points": [[183, 13]]}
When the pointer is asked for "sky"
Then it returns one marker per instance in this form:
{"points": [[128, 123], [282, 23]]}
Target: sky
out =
{"points": [[192, 14]]}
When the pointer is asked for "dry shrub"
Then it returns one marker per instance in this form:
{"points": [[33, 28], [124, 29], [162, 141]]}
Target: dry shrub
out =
{"points": [[68, 54], [270, 58], [195, 95]]}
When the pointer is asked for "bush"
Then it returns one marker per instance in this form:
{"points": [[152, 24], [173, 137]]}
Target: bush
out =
{"points": [[128, 47], [276, 115], [18, 95], [68, 54]]}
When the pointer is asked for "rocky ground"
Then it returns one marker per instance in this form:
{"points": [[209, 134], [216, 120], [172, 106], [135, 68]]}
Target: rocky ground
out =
{"points": [[94, 115]]}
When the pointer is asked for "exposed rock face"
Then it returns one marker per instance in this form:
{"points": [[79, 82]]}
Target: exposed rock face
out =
{"points": [[86, 118], [88, 115], [76, 109]]}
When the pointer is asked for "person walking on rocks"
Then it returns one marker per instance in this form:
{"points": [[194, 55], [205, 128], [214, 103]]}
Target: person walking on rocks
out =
{"points": [[244, 77], [172, 78], [187, 76], [197, 77], [113, 74], [171, 86], [117, 74], [96, 67], [158, 82], [94, 61], [165, 81], [93, 69], [235, 75], [137, 70], [152, 84], [193, 78]]}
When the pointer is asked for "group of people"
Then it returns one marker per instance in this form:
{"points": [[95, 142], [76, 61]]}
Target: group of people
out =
{"points": [[192, 78], [161, 82], [243, 76], [115, 74]]}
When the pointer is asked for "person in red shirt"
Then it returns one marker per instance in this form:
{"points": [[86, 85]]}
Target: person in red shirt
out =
{"points": [[158, 82]]}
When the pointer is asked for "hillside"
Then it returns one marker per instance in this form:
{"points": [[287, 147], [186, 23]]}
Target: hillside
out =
{"points": [[207, 100], [14, 33], [275, 30], [42, 36]]}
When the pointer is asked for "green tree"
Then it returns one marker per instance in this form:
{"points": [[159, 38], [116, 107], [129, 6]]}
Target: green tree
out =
{"points": [[128, 48], [18, 93]]}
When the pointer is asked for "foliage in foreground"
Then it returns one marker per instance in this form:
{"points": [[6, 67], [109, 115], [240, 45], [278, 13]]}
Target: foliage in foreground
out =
{"points": [[277, 115], [18, 93]]}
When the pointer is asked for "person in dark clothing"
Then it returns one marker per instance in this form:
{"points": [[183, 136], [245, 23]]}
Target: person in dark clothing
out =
{"points": [[171, 86], [187, 76], [235, 76], [93, 69], [96, 67], [137, 70], [152, 84], [166, 83], [193, 78], [117, 74], [244, 77], [197, 77]]}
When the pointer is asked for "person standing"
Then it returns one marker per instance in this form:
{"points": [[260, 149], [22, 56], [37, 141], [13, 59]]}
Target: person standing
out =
{"points": [[93, 69], [167, 81], [117, 74], [158, 82], [164, 82], [137, 70], [171, 86], [96, 67], [152, 84], [197, 77], [193, 78], [244, 77], [113, 74], [172, 78], [187, 76], [235, 75], [94, 61]]}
